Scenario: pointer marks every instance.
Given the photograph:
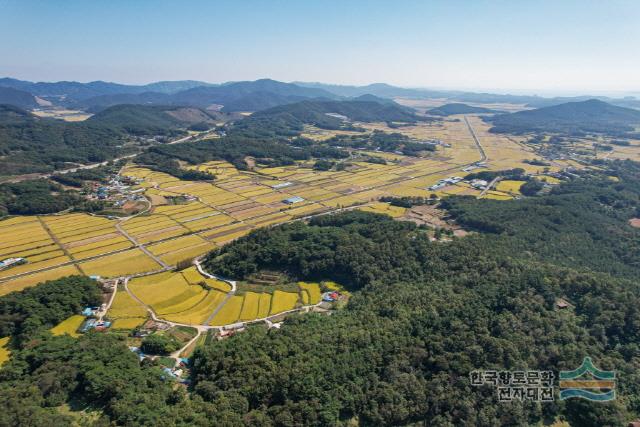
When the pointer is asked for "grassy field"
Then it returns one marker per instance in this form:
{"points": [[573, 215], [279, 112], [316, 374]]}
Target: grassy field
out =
{"points": [[69, 326]]}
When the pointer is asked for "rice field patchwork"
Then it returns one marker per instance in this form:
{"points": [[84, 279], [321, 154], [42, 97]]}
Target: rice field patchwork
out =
{"points": [[26, 281], [189, 219]]}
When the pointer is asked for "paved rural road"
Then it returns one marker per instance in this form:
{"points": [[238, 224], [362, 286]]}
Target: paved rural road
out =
{"points": [[134, 241], [477, 141], [489, 186], [113, 297]]}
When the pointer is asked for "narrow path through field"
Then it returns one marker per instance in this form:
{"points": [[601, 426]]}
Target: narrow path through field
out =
{"points": [[59, 243], [176, 354], [483, 155], [134, 241], [110, 302]]}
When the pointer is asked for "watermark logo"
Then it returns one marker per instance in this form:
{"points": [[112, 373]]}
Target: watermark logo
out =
{"points": [[517, 385], [588, 382]]}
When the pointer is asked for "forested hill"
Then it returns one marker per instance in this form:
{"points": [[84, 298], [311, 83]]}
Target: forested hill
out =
{"points": [[422, 316], [31, 144], [580, 224], [288, 120], [574, 118], [17, 98], [456, 108], [141, 119], [427, 314]]}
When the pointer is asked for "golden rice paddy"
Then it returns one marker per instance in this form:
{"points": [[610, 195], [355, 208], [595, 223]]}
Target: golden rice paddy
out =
{"points": [[283, 301], [125, 307], [230, 311], [508, 186], [120, 264], [69, 326], [5, 353], [384, 208], [127, 323], [312, 290]]}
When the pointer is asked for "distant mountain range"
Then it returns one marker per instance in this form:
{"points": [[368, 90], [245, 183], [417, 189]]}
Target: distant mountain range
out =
{"points": [[387, 91], [238, 96], [246, 95], [573, 118], [75, 91]]}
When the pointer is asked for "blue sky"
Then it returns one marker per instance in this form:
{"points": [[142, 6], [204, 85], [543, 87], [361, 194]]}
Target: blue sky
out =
{"points": [[562, 46]]}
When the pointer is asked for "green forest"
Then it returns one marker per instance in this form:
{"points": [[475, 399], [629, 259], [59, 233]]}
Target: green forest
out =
{"points": [[42, 197], [31, 144], [422, 316]]}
